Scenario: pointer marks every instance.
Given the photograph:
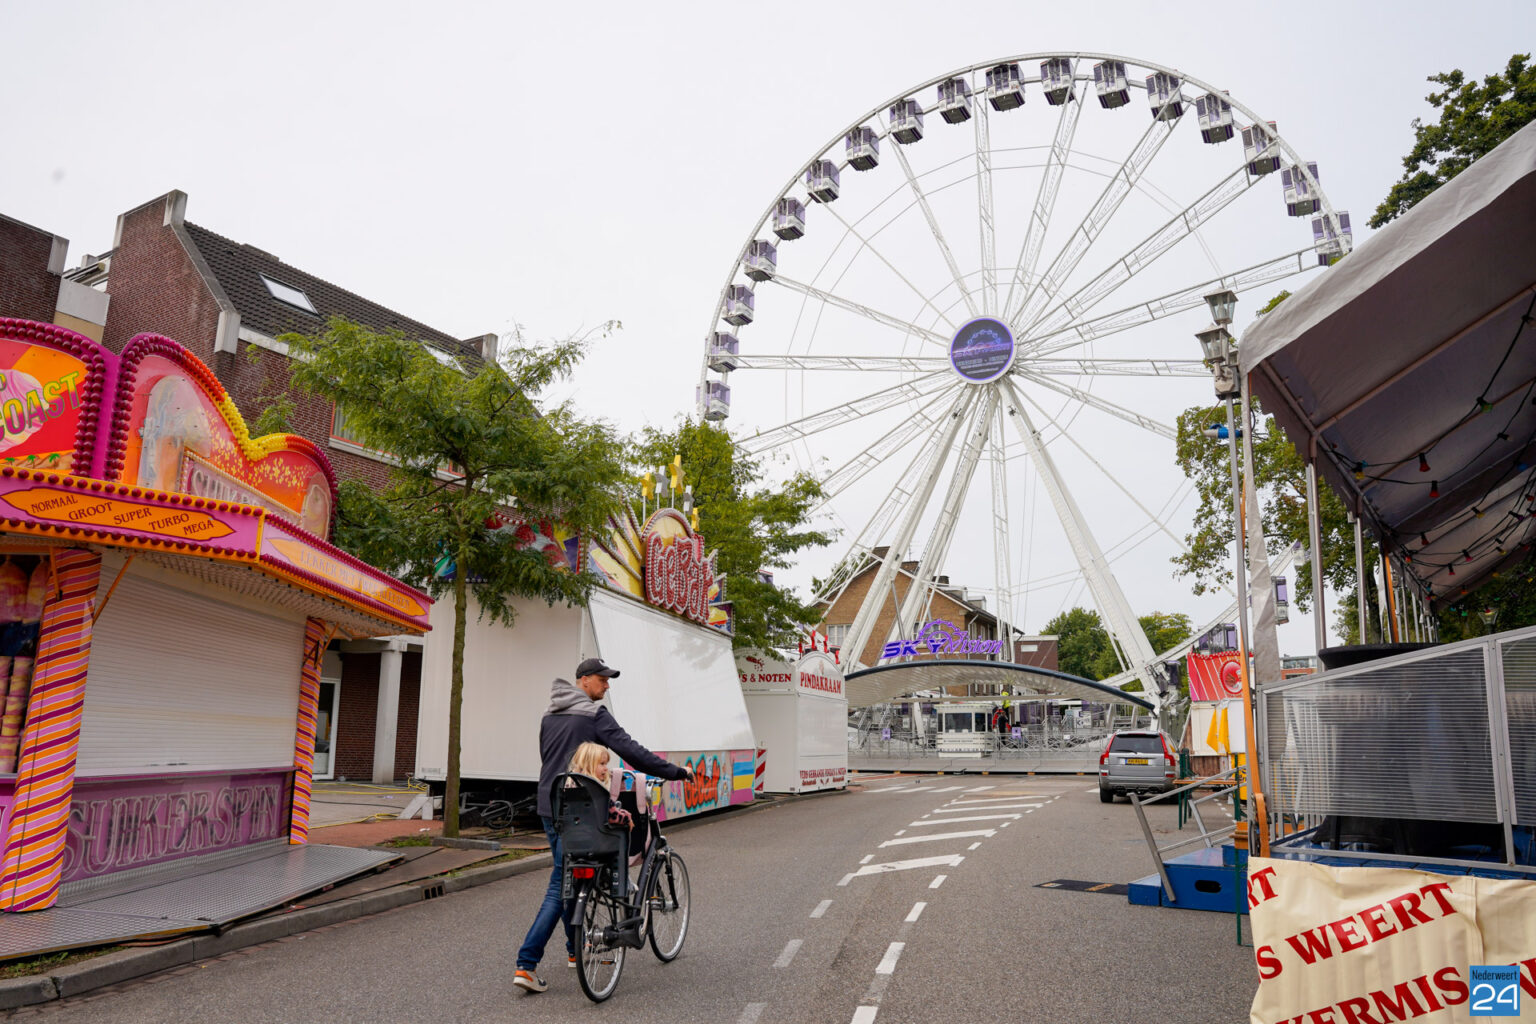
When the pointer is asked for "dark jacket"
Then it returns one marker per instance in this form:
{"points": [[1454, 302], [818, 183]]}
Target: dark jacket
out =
{"points": [[572, 719]]}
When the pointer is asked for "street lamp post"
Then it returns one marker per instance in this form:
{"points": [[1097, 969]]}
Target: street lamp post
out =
{"points": [[1219, 349]]}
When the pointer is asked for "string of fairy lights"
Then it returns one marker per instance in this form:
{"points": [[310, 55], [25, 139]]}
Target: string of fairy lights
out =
{"points": [[1510, 518]]}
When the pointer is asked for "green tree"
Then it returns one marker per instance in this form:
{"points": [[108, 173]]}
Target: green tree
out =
{"points": [[1474, 118], [1082, 645], [1512, 593], [753, 527], [1163, 630], [467, 442]]}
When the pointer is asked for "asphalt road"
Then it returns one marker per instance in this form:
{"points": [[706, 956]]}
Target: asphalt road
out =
{"points": [[795, 921]]}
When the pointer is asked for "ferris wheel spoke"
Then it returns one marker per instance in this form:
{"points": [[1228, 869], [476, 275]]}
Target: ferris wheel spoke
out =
{"points": [[1045, 199], [1118, 367], [844, 412], [861, 364], [1146, 423], [938, 233], [997, 451], [1127, 265], [858, 309], [1119, 186], [920, 592], [850, 472], [1152, 517], [1120, 621], [920, 493], [875, 251], [1190, 297], [984, 208]]}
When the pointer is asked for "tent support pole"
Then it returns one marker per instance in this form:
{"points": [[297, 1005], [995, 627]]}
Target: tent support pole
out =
{"points": [[1315, 542], [1360, 578]]}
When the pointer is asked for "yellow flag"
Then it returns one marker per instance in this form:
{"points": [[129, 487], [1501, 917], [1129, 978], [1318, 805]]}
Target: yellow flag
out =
{"points": [[1219, 736]]}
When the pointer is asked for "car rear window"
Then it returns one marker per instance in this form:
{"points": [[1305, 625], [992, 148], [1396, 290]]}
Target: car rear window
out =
{"points": [[1137, 745]]}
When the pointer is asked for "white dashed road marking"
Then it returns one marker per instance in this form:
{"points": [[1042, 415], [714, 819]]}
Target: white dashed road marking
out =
{"points": [[973, 846], [985, 833], [978, 789], [951, 821], [867, 858], [821, 908], [937, 881], [950, 860], [790, 949], [865, 1015], [751, 1013], [961, 808], [993, 801], [916, 912], [946, 789], [892, 954]]}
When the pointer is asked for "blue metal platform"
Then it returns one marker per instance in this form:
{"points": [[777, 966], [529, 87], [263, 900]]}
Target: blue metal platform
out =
{"points": [[1214, 879]]}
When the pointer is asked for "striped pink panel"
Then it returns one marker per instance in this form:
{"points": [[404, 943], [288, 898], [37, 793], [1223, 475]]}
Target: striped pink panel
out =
{"points": [[45, 779], [304, 740]]}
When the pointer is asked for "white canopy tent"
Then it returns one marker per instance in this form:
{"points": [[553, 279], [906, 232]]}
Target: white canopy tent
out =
{"points": [[1408, 373], [886, 683]]}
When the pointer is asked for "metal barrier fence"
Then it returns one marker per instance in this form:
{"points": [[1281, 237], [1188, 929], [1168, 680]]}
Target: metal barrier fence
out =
{"points": [[1440, 735]]}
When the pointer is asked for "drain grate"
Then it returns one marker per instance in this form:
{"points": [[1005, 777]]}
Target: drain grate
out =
{"points": [[432, 892], [1075, 885]]}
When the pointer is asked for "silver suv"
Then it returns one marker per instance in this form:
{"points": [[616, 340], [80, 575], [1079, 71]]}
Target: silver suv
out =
{"points": [[1136, 761]]}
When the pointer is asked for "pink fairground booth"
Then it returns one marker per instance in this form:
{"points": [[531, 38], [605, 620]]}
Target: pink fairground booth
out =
{"points": [[167, 593]]}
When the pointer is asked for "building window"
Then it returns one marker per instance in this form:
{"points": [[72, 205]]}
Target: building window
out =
{"points": [[289, 295], [837, 634]]}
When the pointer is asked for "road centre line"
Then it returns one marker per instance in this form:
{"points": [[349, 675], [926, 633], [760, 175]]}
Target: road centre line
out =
{"points": [[916, 912], [978, 789], [946, 789], [951, 821], [902, 832], [985, 833], [938, 880], [821, 908], [867, 858], [948, 860], [790, 949], [993, 801], [865, 1015], [751, 1013], [892, 954], [973, 846]]}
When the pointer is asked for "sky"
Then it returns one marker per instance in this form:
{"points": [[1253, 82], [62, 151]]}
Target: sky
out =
{"points": [[551, 168]]}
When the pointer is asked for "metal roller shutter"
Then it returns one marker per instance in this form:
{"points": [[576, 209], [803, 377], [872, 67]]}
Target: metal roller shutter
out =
{"points": [[182, 682]]}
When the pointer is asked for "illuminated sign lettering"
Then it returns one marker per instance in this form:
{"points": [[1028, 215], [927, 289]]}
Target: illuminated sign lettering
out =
{"points": [[940, 636]]}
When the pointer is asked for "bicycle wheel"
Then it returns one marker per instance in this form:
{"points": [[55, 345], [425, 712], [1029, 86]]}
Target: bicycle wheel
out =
{"points": [[667, 900], [598, 962]]}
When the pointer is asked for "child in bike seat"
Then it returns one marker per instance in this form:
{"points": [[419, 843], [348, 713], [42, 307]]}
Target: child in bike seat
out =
{"points": [[591, 760]]}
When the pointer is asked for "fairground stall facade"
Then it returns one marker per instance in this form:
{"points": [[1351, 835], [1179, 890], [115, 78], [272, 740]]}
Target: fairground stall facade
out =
{"points": [[167, 593]]}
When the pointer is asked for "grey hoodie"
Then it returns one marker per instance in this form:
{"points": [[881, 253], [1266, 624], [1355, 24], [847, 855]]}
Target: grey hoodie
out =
{"points": [[572, 719]]}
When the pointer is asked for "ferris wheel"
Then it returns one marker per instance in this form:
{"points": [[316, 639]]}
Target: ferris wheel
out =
{"points": [[1006, 264]]}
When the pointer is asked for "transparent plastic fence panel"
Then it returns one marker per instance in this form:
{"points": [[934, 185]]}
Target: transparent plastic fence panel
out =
{"points": [[1402, 740], [762, 256], [724, 352], [1005, 87], [863, 148], [1519, 660], [1163, 96], [788, 219], [1215, 114], [1110, 83], [955, 100], [738, 305], [906, 121], [1056, 80], [821, 180]]}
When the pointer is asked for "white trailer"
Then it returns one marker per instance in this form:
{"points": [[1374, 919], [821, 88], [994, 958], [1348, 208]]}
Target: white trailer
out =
{"points": [[799, 714]]}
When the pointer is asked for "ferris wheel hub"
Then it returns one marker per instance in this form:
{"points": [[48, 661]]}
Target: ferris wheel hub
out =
{"points": [[982, 350]]}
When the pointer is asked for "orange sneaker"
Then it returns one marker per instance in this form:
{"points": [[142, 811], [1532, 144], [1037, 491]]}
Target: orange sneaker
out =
{"points": [[529, 981]]}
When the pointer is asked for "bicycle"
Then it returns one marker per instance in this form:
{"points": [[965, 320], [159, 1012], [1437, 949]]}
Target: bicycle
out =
{"points": [[612, 915]]}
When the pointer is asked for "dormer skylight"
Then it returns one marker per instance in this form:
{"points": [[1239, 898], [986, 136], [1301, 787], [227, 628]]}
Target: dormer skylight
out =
{"points": [[289, 295]]}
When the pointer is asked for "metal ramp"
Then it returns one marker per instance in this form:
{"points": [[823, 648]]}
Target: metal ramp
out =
{"points": [[188, 895]]}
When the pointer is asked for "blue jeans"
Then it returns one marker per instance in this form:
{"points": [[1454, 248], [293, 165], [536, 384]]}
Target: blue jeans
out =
{"points": [[550, 911]]}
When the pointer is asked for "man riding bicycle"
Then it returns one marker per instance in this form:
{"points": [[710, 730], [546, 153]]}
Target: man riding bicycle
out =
{"points": [[574, 717]]}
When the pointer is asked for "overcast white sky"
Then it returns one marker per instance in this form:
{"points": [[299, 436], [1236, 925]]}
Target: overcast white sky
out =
{"points": [[477, 166]]}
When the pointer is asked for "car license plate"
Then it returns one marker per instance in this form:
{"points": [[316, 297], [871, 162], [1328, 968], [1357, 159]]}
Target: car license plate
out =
{"points": [[1137, 760]]}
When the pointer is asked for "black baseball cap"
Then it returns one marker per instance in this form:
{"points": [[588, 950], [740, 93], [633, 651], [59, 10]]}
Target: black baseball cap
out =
{"points": [[595, 667]]}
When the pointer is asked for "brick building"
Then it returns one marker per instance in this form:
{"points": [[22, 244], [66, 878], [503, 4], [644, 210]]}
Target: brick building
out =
{"points": [[228, 302], [33, 285], [951, 603]]}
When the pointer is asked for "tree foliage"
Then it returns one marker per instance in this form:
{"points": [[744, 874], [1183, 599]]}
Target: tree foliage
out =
{"points": [[1474, 118], [753, 527], [1083, 647], [467, 443]]}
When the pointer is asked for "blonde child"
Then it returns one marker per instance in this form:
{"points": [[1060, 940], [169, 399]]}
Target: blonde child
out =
{"points": [[591, 760]]}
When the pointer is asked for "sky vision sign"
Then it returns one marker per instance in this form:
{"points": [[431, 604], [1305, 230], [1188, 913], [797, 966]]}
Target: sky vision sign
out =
{"points": [[940, 636]]}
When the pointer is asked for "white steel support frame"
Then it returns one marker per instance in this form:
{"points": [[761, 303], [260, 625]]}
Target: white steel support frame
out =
{"points": [[998, 456], [1045, 199], [864, 621], [1121, 622], [984, 209], [922, 586]]}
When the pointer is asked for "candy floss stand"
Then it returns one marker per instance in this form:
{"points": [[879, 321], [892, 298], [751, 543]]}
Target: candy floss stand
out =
{"points": [[166, 597], [799, 714]]}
